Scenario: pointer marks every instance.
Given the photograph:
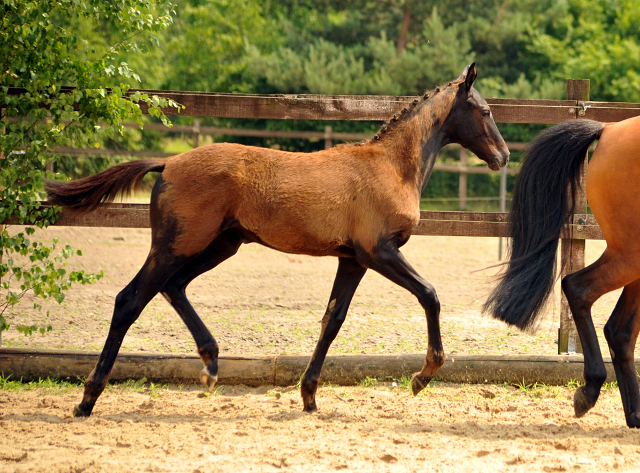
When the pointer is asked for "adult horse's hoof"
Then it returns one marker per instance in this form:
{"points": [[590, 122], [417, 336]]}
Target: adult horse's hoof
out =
{"points": [[208, 380], [418, 383], [78, 412], [310, 407], [581, 404]]}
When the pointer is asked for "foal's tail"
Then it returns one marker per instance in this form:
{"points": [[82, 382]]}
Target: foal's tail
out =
{"points": [[89, 193], [540, 208]]}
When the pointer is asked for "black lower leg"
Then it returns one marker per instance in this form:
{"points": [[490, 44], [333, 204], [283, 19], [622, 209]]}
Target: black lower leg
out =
{"points": [[621, 332], [129, 304], [435, 357], [390, 262], [206, 344], [222, 248], [580, 298], [348, 277]]}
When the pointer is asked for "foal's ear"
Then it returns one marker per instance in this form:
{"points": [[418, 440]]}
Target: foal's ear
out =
{"points": [[469, 75]]}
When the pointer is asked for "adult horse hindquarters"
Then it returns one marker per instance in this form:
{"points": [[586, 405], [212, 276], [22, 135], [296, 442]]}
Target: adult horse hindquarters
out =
{"points": [[541, 207], [358, 202]]}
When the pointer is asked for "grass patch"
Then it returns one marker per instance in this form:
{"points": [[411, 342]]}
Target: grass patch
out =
{"points": [[47, 384], [574, 383], [404, 382], [369, 382], [56, 385]]}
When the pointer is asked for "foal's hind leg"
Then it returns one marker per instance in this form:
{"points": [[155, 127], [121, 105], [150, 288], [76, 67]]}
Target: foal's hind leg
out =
{"points": [[582, 289], [129, 304], [621, 332], [349, 275], [223, 247], [390, 262]]}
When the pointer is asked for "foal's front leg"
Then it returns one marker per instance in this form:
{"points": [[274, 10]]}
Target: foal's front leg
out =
{"points": [[349, 275], [391, 263]]}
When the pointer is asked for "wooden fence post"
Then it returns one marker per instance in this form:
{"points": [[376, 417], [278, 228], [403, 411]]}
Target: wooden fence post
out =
{"points": [[502, 204], [572, 251], [328, 142], [196, 133], [463, 180]]}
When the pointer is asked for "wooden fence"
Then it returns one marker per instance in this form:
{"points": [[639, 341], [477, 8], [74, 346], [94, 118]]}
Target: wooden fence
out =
{"points": [[321, 107]]}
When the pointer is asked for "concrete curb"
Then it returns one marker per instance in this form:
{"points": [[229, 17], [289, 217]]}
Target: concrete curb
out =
{"points": [[285, 370]]}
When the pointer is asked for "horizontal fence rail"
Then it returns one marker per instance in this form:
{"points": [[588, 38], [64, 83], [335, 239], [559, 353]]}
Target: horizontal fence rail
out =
{"points": [[478, 224], [373, 107], [380, 108]]}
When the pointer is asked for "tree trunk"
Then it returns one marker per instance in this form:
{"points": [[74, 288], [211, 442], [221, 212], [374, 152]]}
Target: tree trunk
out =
{"points": [[404, 30]]}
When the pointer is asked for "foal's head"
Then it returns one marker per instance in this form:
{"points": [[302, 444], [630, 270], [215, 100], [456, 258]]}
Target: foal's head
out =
{"points": [[470, 123]]}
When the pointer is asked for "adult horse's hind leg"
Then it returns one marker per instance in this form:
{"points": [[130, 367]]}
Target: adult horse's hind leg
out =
{"points": [[390, 263], [621, 332], [129, 304], [222, 248], [582, 288], [348, 277]]}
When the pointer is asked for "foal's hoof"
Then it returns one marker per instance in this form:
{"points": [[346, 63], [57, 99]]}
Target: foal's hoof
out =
{"points": [[208, 380], [78, 412], [418, 383], [581, 404], [633, 421]]}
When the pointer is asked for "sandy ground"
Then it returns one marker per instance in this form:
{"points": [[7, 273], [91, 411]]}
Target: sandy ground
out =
{"points": [[449, 428], [264, 302]]}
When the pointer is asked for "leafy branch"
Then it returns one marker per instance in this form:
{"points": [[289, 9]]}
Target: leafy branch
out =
{"points": [[40, 44]]}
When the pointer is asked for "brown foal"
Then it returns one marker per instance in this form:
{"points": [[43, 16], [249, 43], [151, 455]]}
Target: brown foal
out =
{"points": [[358, 202]]}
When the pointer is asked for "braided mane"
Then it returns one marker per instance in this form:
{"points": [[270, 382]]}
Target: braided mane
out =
{"points": [[409, 111]]}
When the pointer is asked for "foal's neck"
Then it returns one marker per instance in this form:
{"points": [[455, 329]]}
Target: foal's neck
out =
{"points": [[416, 141]]}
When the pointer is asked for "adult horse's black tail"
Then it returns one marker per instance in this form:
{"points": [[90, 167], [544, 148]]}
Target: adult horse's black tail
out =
{"points": [[541, 206]]}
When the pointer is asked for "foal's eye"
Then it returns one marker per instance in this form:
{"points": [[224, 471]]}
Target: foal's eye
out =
{"points": [[486, 113]]}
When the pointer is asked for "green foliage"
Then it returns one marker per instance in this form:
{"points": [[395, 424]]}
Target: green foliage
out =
{"points": [[597, 40], [538, 88], [323, 67], [523, 48], [57, 88], [206, 48], [131, 139], [36, 268]]}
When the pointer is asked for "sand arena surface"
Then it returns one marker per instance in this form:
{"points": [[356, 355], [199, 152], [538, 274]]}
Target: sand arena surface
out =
{"points": [[449, 428]]}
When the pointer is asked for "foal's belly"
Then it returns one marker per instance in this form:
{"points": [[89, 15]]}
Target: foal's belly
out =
{"points": [[295, 239]]}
